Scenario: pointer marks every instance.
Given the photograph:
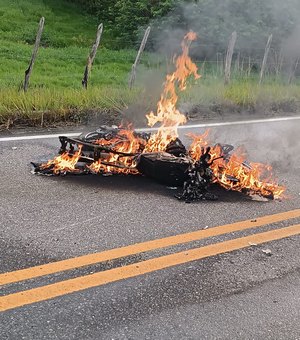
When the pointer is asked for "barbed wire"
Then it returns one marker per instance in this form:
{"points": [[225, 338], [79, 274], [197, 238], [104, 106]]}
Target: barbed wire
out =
{"points": [[149, 59], [95, 77], [242, 65]]}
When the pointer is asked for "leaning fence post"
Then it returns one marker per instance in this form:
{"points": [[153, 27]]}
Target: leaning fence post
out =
{"points": [[137, 59], [264, 63], [228, 60], [293, 70], [34, 53], [91, 57]]}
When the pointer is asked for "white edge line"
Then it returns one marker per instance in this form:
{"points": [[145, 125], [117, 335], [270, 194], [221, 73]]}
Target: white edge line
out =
{"points": [[184, 127], [8, 139], [241, 122]]}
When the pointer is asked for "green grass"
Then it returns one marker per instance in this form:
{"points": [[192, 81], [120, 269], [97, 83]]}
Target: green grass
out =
{"points": [[62, 67], [245, 93], [44, 106], [65, 25], [66, 41], [55, 84], [55, 92]]}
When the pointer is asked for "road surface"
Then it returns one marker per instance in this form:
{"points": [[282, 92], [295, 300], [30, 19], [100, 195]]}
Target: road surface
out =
{"points": [[120, 258]]}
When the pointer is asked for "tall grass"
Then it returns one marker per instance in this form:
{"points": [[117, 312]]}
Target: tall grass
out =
{"points": [[44, 106], [49, 105], [55, 91], [245, 93]]}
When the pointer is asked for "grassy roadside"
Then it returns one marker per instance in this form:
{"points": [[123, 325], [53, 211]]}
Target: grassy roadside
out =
{"points": [[56, 94], [245, 94], [55, 91], [43, 106]]}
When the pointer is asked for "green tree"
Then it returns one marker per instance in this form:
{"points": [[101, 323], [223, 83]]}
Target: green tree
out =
{"points": [[130, 16], [213, 20]]}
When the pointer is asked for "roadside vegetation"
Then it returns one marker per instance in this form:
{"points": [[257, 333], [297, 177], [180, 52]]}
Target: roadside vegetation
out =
{"points": [[55, 93]]}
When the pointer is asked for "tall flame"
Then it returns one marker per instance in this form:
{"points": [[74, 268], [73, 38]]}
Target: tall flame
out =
{"points": [[167, 114], [230, 171]]}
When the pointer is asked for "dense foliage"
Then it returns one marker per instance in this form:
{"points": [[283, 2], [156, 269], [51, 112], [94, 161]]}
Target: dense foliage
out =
{"points": [[214, 20], [125, 18]]}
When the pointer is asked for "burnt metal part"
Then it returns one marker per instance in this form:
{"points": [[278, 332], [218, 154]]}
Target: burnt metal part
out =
{"points": [[232, 178], [173, 168], [87, 146], [105, 132], [176, 148], [109, 132], [247, 165], [226, 149], [200, 176], [164, 167], [91, 148]]}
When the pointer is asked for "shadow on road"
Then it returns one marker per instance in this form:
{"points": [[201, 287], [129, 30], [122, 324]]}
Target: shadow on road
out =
{"points": [[140, 184]]}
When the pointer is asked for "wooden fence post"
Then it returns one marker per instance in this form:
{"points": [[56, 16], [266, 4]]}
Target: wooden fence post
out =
{"points": [[91, 57], [220, 64], [279, 59], [237, 63], [137, 59], [249, 67], [34, 54], [228, 60], [264, 63], [293, 70]]}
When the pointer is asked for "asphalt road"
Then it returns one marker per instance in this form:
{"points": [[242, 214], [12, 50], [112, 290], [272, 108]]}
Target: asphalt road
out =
{"points": [[241, 294]]}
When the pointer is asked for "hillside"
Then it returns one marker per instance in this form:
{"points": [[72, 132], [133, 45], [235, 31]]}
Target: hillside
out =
{"points": [[66, 40], [55, 93], [55, 84]]}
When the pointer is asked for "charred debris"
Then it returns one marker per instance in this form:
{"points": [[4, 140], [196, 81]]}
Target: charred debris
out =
{"points": [[174, 167]]}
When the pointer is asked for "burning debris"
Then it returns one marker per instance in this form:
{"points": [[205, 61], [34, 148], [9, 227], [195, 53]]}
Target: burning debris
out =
{"points": [[162, 156], [200, 176]]}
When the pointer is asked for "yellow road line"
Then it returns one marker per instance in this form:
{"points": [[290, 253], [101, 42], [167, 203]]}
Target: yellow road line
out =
{"points": [[85, 260], [98, 279]]}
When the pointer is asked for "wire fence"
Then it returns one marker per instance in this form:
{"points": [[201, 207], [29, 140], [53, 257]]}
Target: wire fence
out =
{"points": [[54, 64]]}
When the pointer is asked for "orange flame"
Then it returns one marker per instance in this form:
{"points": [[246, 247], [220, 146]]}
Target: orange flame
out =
{"points": [[199, 142], [255, 178], [64, 162], [124, 142], [231, 172], [167, 114]]}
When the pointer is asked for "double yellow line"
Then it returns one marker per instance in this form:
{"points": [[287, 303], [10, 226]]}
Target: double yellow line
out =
{"points": [[80, 283]]}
